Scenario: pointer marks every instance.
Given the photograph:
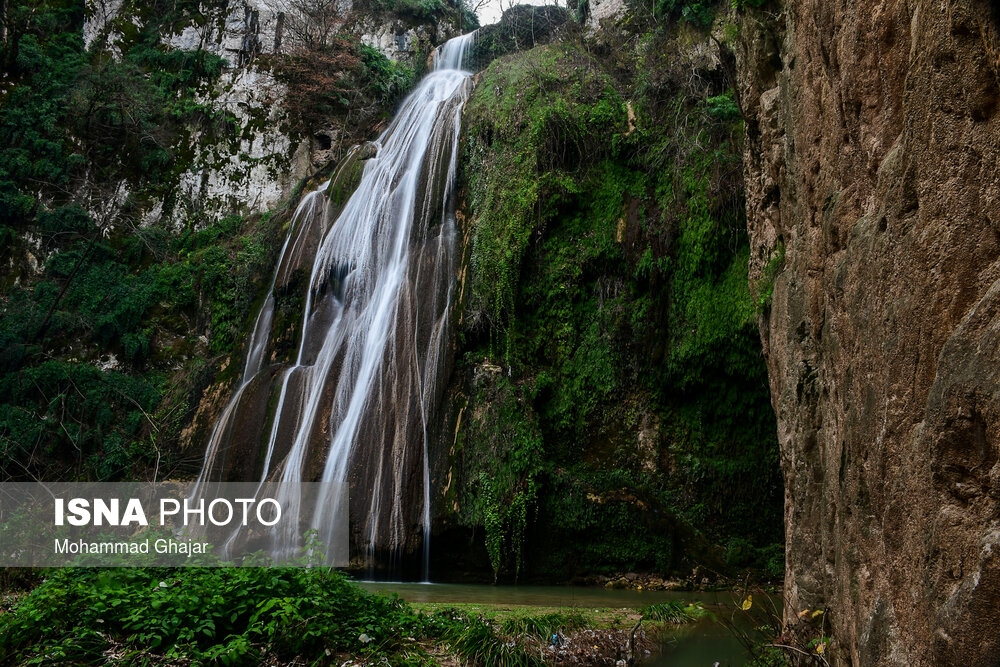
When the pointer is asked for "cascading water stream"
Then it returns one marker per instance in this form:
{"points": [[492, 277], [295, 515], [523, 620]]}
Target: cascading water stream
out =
{"points": [[354, 404]]}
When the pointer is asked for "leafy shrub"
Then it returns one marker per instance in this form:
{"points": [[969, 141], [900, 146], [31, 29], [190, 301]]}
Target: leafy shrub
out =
{"points": [[227, 615], [386, 79], [699, 12], [232, 616]]}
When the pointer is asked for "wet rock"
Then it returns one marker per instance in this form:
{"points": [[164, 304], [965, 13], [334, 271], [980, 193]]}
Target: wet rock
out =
{"points": [[620, 583]]}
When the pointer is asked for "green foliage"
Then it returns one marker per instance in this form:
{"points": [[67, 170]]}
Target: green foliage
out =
{"points": [[723, 107], [419, 10], [529, 119], [674, 612], [608, 274], [543, 625], [227, 616], [502, 497], [478, 642], [70, 412], [605, 521], [386, 79], [698, 12], [238, 616], [111, 296], [67, 110], [42, 59], [228, 278]]}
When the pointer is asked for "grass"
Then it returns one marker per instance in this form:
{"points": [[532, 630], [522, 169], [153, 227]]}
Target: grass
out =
{"points": [[514, 619], [518, 619], [674, 612]]}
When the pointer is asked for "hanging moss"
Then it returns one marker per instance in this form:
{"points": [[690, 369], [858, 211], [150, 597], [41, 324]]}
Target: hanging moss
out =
{"points": [[608, 274]]}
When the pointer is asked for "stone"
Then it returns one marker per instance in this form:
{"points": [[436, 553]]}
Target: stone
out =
{"points": [[255, 170], [872, 166]]}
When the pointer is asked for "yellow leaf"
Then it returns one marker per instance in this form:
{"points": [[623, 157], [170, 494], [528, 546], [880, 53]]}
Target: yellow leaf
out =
{"points": [[818, 612], [748, 603], [802, 614], [821, 648]]}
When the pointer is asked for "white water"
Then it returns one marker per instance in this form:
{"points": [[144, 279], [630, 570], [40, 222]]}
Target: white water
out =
{"points": [[374, 328]]}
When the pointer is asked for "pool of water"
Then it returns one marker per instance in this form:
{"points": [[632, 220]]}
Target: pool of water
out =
{"points": [[702, 643], [538, 596]]}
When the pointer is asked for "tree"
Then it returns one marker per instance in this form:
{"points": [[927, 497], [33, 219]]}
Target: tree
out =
{"points": [[310, 25]]}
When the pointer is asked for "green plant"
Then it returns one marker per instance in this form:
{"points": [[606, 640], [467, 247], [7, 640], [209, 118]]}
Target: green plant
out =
{"points": [[227, 615], [698, 12], [544, 625], [674, 612], [386, 79], [475, 640], [765, 284], [757, 623]]}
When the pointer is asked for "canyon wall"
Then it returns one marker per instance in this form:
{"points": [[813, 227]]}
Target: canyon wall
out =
{"points": [[873, 193]]}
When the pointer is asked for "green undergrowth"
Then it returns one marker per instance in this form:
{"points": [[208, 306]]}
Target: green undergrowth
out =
{"points": [[543, 622], [457, 11], [619, 416], [90, 348], [99, 308], [238, 616]]}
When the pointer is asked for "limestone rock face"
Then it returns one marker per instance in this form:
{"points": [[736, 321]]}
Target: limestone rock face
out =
{"points": [[604, 9], [873, 187], [253, 170]]}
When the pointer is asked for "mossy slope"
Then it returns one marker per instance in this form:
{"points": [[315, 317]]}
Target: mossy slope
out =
{"points": [[614, 402]]}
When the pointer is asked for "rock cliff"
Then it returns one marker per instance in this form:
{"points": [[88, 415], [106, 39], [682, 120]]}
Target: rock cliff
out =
{"points": [[254, 169], [873, 194]]}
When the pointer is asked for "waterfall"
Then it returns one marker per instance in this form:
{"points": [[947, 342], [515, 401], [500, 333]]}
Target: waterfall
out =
{"points": [[354, 403]]}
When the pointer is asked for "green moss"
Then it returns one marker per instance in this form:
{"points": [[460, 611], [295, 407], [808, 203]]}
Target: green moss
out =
{"points": [[502, 495], [608, 273], [532, 116]]}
